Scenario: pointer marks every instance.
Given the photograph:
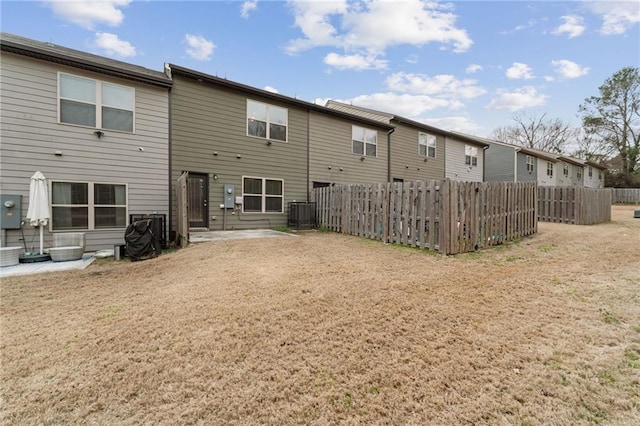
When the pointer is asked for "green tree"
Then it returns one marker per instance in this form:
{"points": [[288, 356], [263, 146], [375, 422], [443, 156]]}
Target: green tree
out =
{"points": [[613, 118]]}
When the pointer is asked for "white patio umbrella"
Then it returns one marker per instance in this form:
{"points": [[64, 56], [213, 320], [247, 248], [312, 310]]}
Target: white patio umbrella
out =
{"points": [[38, 213]]}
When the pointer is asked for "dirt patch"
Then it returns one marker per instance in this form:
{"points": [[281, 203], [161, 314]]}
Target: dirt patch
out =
{"points": [[327, 329]]}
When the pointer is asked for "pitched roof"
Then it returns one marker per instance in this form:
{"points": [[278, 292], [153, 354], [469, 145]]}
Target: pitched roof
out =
{"points": [[75, 58], [390, 118], [243, 88]]}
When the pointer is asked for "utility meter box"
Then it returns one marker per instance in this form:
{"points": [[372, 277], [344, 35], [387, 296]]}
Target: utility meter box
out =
{"points": [[229, 196], [10, 205]]}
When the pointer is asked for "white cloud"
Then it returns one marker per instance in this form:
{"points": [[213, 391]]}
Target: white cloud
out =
{"points": [[248, 7], [617, 16], [519, 71], [473, 68], [89, 13], [354, 62], [199, 48], [405, 105], [569, 69], [524, 97], [370, 27], [573, 26], [454, 123], [271, 89], [111, 44], [443, 85]]}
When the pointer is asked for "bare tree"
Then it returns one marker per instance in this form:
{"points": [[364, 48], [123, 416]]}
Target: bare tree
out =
{"points": [[544, 133]]}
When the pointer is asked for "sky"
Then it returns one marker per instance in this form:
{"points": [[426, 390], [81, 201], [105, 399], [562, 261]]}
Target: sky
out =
{"points": [[468, 66]]}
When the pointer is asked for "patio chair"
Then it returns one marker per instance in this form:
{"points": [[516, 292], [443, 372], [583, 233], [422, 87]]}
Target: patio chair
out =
{"points": [[67, 246]]}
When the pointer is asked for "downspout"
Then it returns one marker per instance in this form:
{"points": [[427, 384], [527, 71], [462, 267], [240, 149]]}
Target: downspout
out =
{"points": [[308, 154], [169, 149], [484, 163], [389, 153], [515, 164]]}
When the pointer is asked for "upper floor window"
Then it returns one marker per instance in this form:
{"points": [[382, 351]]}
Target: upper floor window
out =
{"points": [[88, 205], [565, 170], [470, 155], [364, 141], [530, 163], [579, 172], [94, 103], [600, 175], [267, 121], [262, 195], [426, 145], [549, 169], [590, 171]]}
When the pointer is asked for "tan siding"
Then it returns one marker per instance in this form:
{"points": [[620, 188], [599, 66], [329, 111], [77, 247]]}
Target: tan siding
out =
{"points": [[404, 152], [31, 134], [207, 120], [331, 146], [456, 169]]}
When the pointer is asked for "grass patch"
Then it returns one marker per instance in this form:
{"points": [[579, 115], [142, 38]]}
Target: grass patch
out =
{"points": [[548, 248], [283, 229], [323, 229], [608, 317], [632, 358]]}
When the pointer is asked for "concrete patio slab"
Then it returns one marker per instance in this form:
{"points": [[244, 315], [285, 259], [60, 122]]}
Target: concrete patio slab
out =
{"points": [[49, 266], [199, 237]]}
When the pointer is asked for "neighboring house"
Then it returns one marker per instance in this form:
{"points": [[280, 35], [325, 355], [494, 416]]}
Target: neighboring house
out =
{"points": [[504, 162], [420, 151], [249, 152], [571, 173], [593, 174], [95, 127]]}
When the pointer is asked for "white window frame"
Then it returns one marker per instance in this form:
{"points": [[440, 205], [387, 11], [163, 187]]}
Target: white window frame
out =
{"points": [[579, 173], [590, 171], [268, 123], [429, 141], [91, 205], [264, 195], [565, 170], [98, 103], [530, 163], [549, 169], [364, 142], [471, 155]]}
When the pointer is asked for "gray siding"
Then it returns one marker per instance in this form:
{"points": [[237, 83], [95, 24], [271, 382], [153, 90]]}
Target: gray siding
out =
{"points": [[499, 163], [523, 174], [406, 164], [330, 150], [456, 169], [209, 131], [31, 134]]}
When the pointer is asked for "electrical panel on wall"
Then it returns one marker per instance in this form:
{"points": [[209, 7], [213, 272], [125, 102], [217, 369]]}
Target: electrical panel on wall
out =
{"points": [[229, 196]]}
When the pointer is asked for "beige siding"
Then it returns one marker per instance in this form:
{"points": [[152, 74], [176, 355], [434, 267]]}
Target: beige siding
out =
{"points": [[406, 163], [594, 181], [331, 156], [543, 179], [209, 132], [456, 169], [31, 134]]}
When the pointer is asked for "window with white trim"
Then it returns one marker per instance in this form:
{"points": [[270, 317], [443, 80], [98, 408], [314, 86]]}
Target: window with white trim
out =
{"points": [[364, 141], [88, 206], [426, 145], [549, 169], [590, 171], [565, 170], [579, 172], [530, 163], [600, 175], [267, 121], [470, 155], [94, 103], [262, 195]]}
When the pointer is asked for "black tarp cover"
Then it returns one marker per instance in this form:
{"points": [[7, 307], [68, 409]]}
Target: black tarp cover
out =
{"points": [[141, 243]]}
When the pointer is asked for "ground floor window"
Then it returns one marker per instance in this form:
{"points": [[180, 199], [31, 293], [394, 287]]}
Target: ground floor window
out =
{"points": [[88, 206], [262, 195]]}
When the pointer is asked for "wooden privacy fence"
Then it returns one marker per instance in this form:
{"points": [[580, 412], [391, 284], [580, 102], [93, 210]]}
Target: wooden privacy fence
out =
{"points": [[448, 216], [626, 195], [578, 206], [182, 206]]}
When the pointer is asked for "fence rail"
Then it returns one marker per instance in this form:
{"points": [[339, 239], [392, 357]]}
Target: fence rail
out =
{"points": [[626, 195], [578, 206], [448, 216]]}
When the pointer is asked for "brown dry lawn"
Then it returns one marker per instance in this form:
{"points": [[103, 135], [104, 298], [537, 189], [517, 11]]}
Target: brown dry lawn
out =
{"points": [[332, 329]]}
